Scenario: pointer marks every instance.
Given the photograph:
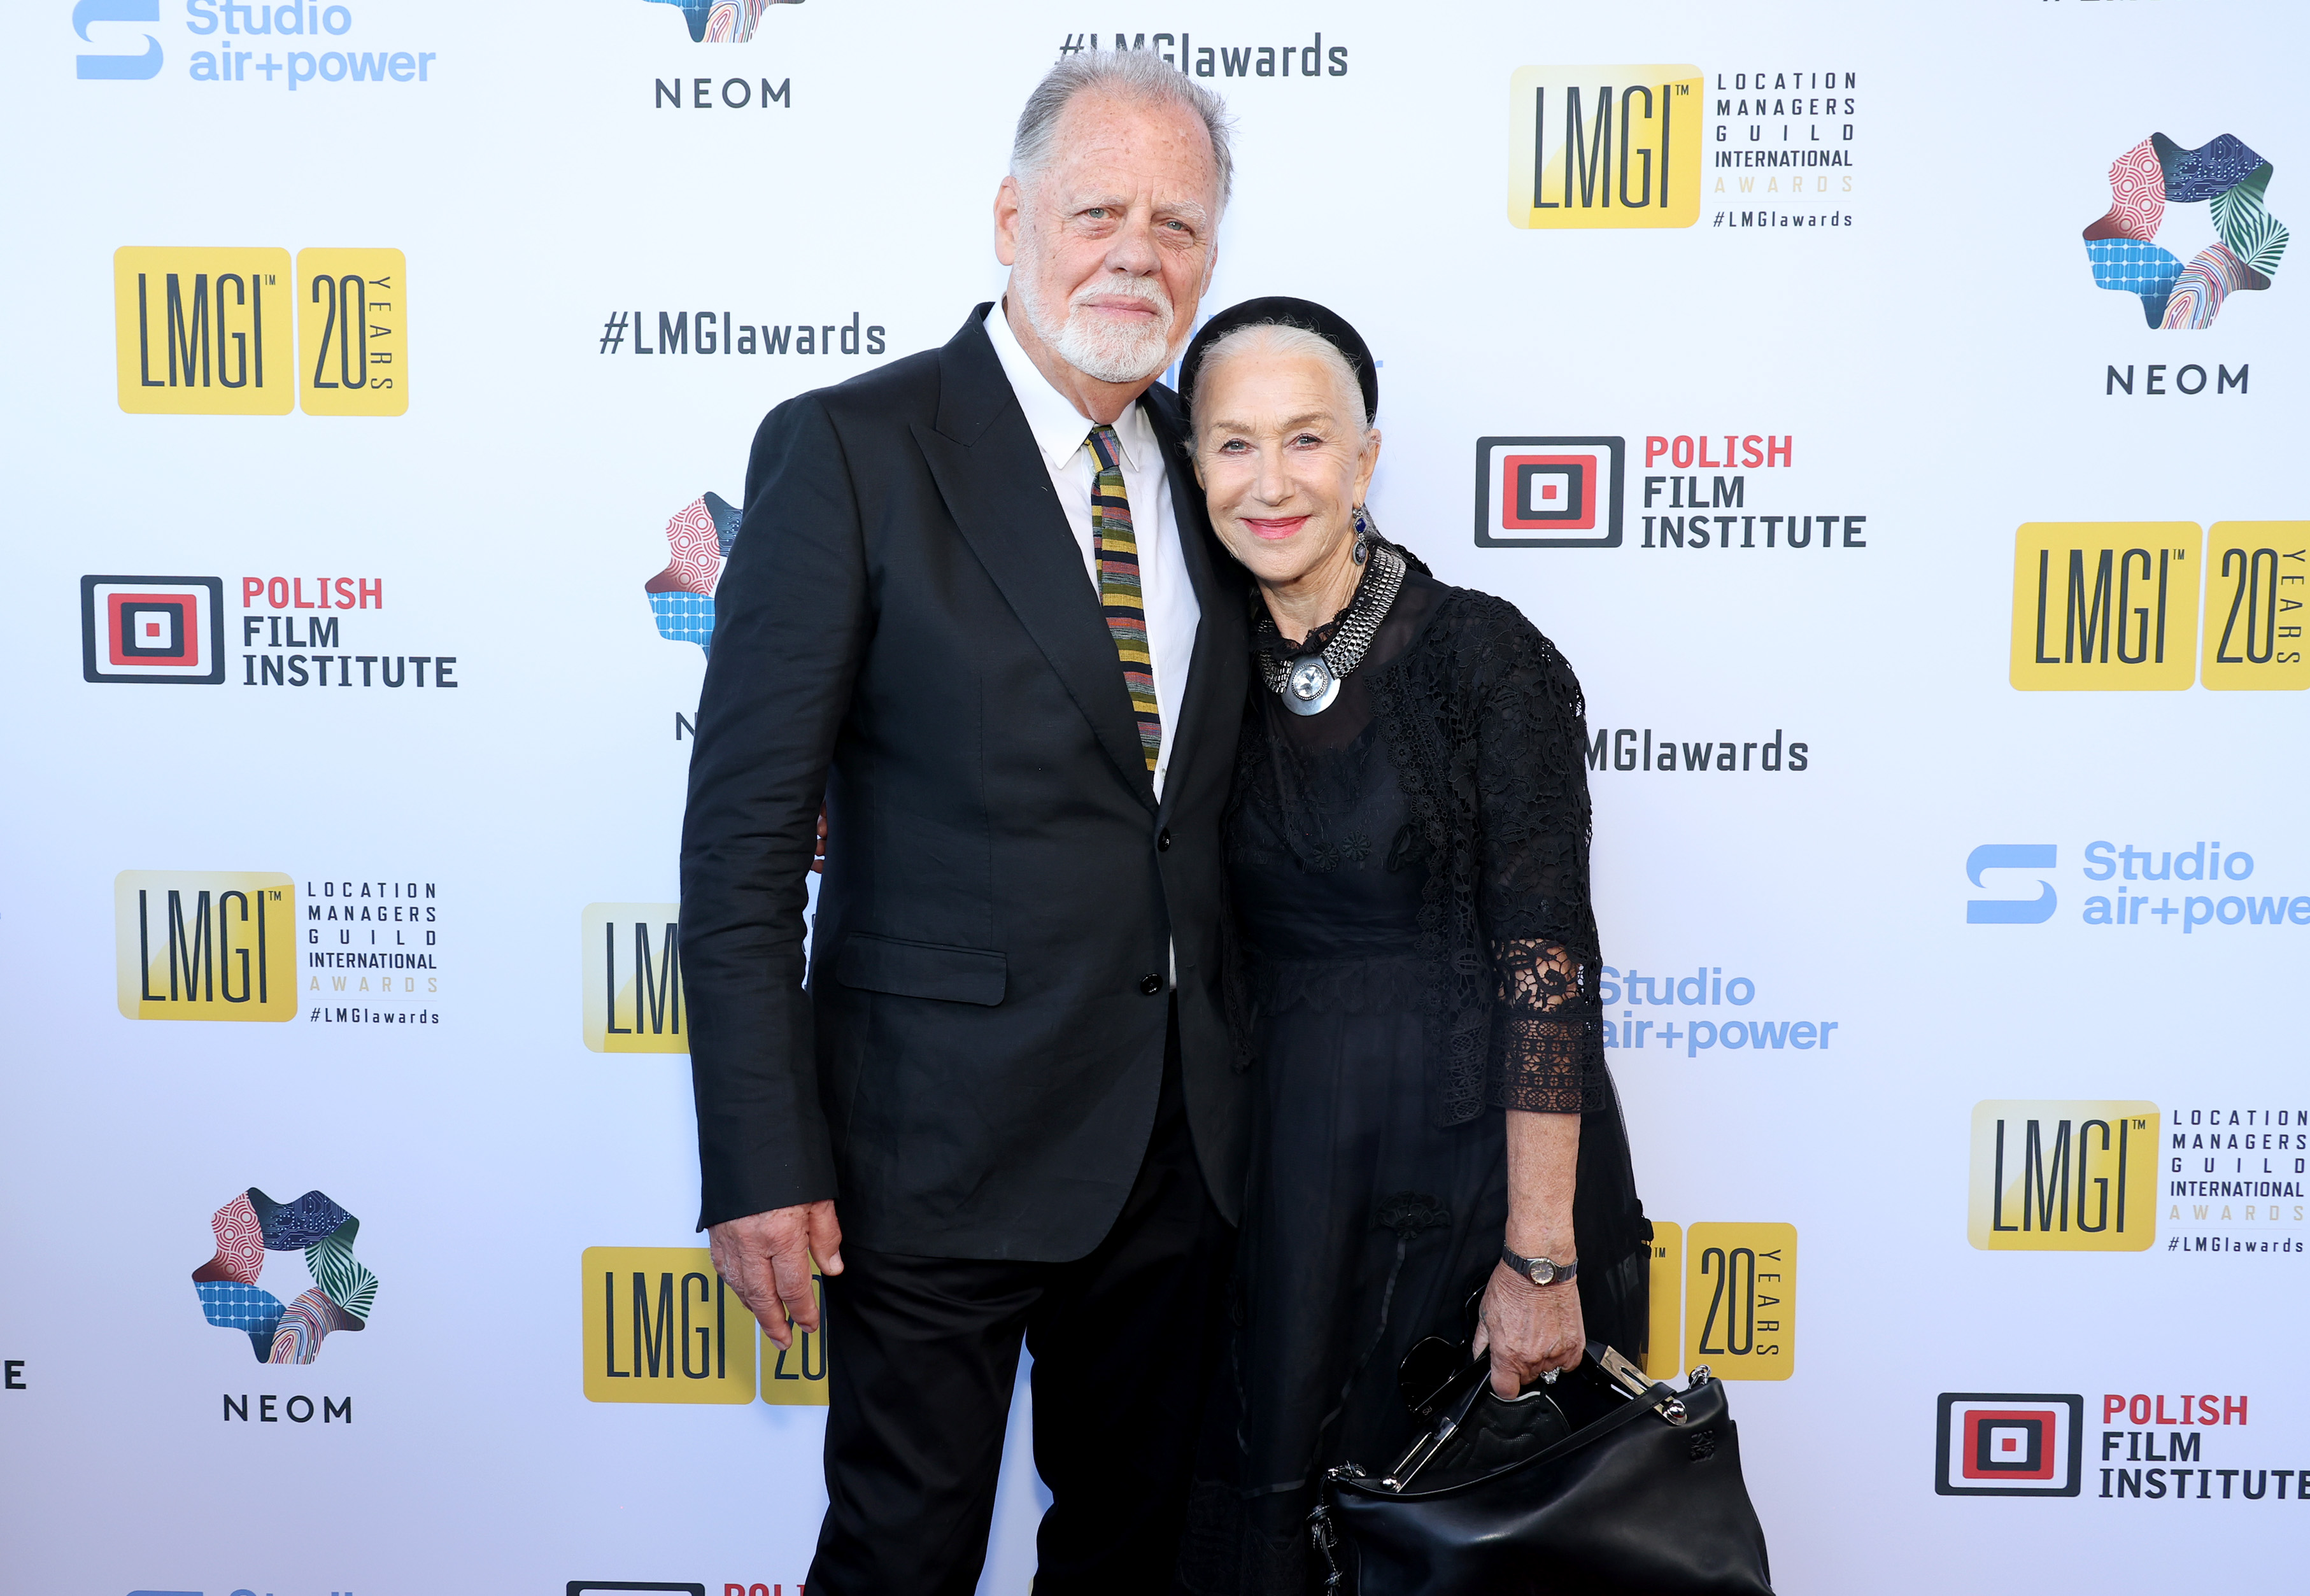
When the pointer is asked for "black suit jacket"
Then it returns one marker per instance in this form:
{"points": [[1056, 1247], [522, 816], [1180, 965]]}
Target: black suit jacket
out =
{"points": [[906, 627]]}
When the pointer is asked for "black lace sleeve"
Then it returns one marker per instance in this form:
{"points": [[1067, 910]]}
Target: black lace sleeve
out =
{"points": [[1532, 795]]}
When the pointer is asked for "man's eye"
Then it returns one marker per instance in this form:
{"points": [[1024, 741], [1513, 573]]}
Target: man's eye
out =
{"points": [[1096, 214]]}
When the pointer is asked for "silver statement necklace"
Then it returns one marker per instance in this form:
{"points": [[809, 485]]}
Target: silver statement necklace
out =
{"points": [[1310, 683]]}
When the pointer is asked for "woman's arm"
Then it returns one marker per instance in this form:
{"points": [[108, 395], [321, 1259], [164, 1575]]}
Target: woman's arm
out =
{"points": [[1546, 1064], [1531, 1328]]}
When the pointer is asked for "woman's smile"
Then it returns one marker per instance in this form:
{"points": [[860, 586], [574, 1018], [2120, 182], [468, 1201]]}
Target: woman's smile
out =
{"points": [[1274, 528]]}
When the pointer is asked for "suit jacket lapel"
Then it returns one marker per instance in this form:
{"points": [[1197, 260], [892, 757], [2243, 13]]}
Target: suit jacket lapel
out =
{"points": [[996, 488], [1214, 674]]}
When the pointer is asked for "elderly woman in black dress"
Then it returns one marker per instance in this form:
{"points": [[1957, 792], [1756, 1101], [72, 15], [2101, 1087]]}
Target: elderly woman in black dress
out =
{"points": [[1408, 853]]}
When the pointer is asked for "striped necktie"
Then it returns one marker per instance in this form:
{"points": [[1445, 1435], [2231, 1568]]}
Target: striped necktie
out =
{"points": [[1119, 598]]}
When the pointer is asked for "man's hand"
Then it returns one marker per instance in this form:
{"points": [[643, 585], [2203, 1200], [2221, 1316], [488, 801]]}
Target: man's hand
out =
{"points": [[1530, 1329], [766, 1258]]}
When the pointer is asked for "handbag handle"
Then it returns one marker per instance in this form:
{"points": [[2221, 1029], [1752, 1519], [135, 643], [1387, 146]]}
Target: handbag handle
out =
{"points": [[1660, 1397]]}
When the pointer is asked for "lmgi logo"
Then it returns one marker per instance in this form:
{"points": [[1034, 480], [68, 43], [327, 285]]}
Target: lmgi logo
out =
{"points": [[2063, 1177], [208, 332], [206, 944], [2110, 606], [1604, 146], [632, 961]]}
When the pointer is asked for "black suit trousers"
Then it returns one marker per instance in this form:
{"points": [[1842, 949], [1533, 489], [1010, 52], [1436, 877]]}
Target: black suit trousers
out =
{"points": [[924, 1352]]}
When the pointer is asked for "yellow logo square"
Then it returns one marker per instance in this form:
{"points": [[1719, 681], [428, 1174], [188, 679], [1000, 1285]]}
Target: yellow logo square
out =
{"points": [[2064, 1176], [2255, 592], [352, 316], [2106, 606], [206, 944], [1741, 1300], [202, 332], [1665, 1341], [1604, 146], [796, 1376], [631, 957], [662, 1326]]}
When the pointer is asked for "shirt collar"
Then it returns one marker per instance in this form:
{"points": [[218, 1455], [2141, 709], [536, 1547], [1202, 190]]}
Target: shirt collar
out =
{"points": [[1059, 429]]}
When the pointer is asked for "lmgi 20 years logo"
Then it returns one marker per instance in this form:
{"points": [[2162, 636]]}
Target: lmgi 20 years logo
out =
{"points": [[661, 1325], [206, 944], [208, 332], [2113, 606], [2063, 1177], [1733, 1290]]}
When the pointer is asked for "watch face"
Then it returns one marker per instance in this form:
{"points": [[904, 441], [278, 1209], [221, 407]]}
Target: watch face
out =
{"points": [[1543, 1271]]}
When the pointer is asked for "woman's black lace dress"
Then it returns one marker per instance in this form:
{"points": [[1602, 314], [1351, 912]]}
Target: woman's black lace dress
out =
{"points": [[1410, 876]]}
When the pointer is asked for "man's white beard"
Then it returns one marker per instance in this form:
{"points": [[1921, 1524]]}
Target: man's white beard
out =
{"points": [[1101, 346]]}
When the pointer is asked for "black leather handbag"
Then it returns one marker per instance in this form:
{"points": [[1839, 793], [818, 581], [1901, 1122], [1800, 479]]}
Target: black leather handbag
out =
{"points": [[1604, 1484]]}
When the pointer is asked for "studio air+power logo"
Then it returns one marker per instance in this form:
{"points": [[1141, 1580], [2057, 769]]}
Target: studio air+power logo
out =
{"points": [[250, 1231], [2006, 1443], [2161, 194], [1548, 493], [2113, 606], [662, 1325], [211, 331], [151, 628], [2061, 1176], [206, 944], [631, 957], [1604, 146]]}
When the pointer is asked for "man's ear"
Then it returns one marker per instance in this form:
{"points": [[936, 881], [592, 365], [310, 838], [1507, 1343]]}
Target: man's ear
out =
{"points": [[1008, 201]]}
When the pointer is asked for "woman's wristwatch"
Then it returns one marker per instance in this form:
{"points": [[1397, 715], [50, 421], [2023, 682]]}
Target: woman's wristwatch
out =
{"points": [[1540, 1272]]}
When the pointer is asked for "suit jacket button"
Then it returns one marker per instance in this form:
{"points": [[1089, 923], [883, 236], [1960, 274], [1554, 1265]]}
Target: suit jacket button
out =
{"points": [[1151, 984], [1163, 840]]}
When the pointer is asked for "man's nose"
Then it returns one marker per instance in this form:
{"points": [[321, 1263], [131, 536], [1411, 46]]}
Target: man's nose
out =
{"points": [[1133, 249]]}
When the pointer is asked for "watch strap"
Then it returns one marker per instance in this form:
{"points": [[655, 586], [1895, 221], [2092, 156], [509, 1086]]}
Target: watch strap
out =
{"points": [[1540, 1272]]}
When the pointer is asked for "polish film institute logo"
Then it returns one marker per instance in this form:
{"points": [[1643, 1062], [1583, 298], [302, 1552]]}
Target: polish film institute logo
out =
{"points": [[2155, 188], [252, 1226], [1548, 493], [151, 628], [722, 22], [2000, 1443]]}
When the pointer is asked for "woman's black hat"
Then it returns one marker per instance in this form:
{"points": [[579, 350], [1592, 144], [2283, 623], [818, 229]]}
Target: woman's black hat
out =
{"points": [[1281, 310]]}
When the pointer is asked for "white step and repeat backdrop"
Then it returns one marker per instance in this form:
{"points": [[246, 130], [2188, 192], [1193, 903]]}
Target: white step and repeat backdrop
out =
{"points": [[1893, 412]]}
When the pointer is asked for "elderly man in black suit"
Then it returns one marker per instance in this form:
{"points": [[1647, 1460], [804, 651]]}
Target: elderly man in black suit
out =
{"points": [[977, 610]]}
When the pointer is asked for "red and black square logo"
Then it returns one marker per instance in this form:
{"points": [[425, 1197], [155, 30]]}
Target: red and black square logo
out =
{"points": [[1548, 493], [2000, 1444], [151, 628]]}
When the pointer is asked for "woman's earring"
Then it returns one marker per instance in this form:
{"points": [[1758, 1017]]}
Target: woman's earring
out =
{"points": [[1363, 534]]}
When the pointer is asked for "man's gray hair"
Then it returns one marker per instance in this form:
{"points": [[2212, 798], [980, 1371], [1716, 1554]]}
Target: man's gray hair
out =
{"points": [[1140, 75]]}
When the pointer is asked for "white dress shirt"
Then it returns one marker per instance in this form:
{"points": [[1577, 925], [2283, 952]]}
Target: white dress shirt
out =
{"points": [[1062, 437]]}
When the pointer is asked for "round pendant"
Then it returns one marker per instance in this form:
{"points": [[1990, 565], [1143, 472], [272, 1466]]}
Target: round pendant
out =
{"points": [[1311, 687]]}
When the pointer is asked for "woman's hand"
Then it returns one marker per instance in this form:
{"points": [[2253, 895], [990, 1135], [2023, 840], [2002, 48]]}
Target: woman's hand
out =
{"points": [[1528, 1329]]}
